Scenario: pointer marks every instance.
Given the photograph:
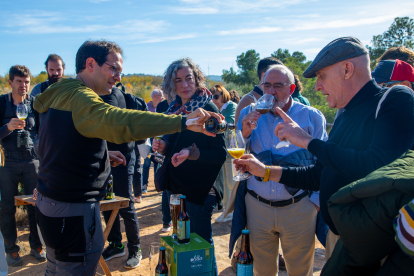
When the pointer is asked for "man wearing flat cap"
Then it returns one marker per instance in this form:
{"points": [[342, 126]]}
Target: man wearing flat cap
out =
{"points": [[365, 137]]}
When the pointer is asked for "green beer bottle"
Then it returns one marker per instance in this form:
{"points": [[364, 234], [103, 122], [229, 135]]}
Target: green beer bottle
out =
{"points": [[183, 227]]}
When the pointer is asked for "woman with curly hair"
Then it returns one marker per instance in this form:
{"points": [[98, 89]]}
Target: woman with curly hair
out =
{"points": [[192, 161]]}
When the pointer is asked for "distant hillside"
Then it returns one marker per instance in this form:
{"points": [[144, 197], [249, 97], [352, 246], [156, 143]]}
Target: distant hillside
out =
{"points": [[215, 78]]}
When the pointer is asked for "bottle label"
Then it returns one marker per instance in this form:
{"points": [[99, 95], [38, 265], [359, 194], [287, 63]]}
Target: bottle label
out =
{"points": [[183, 230], [244, 270]]}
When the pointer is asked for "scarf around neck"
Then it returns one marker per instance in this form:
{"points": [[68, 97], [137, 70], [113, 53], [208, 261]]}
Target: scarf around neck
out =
{"points": [[200, 98]]}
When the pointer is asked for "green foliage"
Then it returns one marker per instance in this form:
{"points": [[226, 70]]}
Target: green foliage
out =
{"points": [[247, 73], [400, 33], [39, 78], [241, 89]]}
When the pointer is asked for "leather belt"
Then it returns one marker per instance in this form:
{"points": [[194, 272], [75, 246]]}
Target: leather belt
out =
{"points": [[279, 203]]}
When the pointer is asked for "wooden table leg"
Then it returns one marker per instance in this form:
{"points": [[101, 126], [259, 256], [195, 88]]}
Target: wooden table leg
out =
{"points": [[105, 236]]}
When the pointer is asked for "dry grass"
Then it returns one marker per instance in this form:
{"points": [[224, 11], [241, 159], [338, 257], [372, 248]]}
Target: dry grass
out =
{"points": [[22, 218]]}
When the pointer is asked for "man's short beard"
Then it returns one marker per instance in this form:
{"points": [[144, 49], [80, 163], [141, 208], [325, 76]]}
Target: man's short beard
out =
{"points": [[53, 79], [281, 105]]}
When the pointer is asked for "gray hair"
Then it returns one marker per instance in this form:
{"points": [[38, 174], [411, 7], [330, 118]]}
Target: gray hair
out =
{"points": [[284, 69], [168, 85], [156, 91]]}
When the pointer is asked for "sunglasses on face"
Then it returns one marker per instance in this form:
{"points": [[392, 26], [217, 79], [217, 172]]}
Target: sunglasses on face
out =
{"points": [[216, 97]]}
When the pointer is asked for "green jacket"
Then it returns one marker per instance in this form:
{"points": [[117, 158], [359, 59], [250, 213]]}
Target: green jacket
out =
{"points": [[363, 213]]}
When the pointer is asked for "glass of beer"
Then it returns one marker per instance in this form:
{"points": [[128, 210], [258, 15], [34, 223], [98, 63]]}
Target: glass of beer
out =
{"points": [[236, 147], [175, 210], [263, 106]]}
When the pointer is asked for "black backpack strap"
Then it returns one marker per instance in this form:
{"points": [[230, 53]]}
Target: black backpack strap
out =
{"points": [[2, 106], [122, 87], [43, 86]]}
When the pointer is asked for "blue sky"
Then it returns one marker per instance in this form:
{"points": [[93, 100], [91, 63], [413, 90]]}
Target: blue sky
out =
{"points": [[155, 33]]}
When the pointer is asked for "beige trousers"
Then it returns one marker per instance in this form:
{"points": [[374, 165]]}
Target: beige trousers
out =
{"points": [[331, 240], [295, 226], [228, 180]]}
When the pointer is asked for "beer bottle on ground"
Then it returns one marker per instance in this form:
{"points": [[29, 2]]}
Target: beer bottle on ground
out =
{"points": [[213, 126], [161, 269], [110, 188], [183, 227], [245, 258]]}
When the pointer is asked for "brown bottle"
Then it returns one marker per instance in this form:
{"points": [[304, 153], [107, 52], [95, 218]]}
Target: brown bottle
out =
{"points": [[213, 126], [183, 227], [161, 269], [245, 258]]}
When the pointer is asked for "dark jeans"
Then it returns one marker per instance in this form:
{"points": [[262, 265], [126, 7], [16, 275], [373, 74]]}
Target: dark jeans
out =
{"points": [[321, 229], [165, 204], [137, 183], [23, 168], [146, 169], [123, 187]]}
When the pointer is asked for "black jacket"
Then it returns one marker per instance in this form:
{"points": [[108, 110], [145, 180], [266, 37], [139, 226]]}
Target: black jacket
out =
{"points": [[358, 143], [195, 179]]}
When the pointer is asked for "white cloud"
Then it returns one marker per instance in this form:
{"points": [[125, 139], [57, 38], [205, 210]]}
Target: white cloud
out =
{"points": [[196, 10], [251, 31], [169, 38]]}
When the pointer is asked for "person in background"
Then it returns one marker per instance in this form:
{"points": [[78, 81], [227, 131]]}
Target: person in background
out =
{"points": [[221, 98], [156, 97], [234, 96], [22, 163], [3, 262], [389, 73], [404, 229], [122, 186], [297, 96], [55, 68], [193, 161], [257, 92], [401, 53]]}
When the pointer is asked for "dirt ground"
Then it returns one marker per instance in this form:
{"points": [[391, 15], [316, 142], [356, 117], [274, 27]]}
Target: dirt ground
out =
{"points": [[150, 223]]}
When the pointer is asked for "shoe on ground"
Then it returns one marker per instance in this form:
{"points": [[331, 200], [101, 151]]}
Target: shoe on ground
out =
{"points": [[113, 251], [138, 199], [13, 259], [144, 189], [134, 258], [221, 218], [234, 262], [166, 228], [282, 265], [39, 254]]}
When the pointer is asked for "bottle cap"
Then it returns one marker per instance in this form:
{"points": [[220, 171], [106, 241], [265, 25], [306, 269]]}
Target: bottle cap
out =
{"points": [[183, 196], [245, 231], [162, 248]]}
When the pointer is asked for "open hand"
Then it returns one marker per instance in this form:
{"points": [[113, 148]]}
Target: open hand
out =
{"points": [[179, 157], [247, 126], [203, 116], [116, 158], [290, 130]]}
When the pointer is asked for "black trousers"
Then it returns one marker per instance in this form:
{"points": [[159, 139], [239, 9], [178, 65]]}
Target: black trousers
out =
{"points": [[23, 168], [123, 176]]}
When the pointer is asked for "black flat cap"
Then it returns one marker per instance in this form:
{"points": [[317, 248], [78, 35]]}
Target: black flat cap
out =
{"points": [[338, 50]]}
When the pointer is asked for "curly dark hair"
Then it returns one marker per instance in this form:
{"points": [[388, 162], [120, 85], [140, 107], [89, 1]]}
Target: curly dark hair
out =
{"points": [[96, 49], [19, 71], [168, 85]]}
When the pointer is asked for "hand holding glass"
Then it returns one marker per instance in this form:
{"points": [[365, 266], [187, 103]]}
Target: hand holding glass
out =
{"points": [[156, 153], [22, 111], [236, 147], [263, 106]]}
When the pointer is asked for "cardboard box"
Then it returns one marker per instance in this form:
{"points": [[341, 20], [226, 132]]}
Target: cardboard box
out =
{"points": [[193, 258]]}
